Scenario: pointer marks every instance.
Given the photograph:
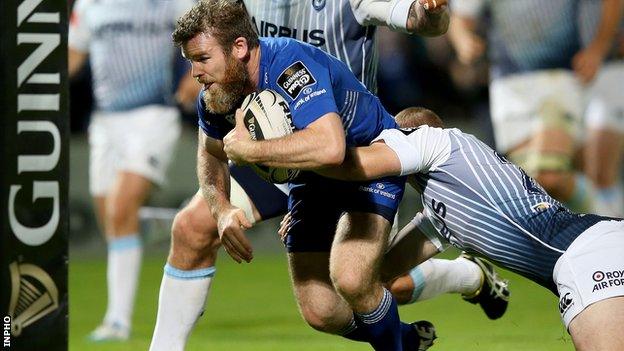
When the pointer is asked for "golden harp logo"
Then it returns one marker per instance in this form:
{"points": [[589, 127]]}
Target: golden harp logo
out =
{"points": [[33, 295]]}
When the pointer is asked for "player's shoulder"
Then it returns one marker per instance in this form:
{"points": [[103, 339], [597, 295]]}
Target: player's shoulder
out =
{"points": [[291, 65]]}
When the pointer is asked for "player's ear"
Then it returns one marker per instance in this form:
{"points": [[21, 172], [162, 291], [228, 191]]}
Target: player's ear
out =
{"points": [[240, 49]]}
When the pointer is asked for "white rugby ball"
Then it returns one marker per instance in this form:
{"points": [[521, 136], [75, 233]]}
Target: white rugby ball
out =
{"points": [[266, 116]]}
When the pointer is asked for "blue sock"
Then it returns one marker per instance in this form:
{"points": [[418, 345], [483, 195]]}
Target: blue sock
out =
{"points": [[382, 325], [409, 336]]}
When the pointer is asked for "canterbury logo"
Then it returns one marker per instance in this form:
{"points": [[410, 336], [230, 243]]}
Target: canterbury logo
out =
{"points": [[33, 295]]}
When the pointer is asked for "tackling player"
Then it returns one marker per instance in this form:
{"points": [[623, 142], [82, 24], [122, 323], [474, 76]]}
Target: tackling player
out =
{"points": [[478, 201]]}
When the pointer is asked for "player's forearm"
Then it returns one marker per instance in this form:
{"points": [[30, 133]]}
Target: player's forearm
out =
{"points": [[608, 27], [427, 23], [305, 149], [214, 179]]}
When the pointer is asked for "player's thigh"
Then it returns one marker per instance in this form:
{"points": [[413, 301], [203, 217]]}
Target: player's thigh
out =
{"points": [[360, 237], [318, 301], [129, 192], [599, 327]]}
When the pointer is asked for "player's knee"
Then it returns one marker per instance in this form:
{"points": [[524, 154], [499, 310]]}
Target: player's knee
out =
{"points": [[350, 285], [321, 317], [194, 236]]}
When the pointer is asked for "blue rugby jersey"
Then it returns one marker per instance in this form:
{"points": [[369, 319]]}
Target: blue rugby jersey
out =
{"points": [[327, 24], [130, 49], [314, 84], [482, 203]]}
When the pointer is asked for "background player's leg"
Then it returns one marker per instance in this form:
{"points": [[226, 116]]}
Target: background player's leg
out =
{"points": [[547, 157], [604, 119], [602, 160], [121, 224], [599, 326]]}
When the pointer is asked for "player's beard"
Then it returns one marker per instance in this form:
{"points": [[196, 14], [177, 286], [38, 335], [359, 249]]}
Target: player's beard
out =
{"points": [[223, 97]]}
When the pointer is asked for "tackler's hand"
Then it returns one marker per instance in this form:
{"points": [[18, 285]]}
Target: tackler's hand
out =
{"points": [[237, 144], [285, 226], [433, 5]]}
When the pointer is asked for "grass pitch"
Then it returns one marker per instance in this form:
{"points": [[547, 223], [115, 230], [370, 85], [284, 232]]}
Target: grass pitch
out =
{"points": [[251, 307]]}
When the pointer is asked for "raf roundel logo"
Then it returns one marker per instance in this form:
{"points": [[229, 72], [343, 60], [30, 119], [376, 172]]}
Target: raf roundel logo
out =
{"points": [[318, 4], [598, 276]]}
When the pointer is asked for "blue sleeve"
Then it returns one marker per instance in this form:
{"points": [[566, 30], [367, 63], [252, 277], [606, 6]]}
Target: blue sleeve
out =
{"points": [[306, 85], [206, 121]]}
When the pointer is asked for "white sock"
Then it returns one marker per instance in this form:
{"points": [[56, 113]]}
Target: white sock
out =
{"points": [[124, 264], [181, 302], [436, 276], [609, 201]]}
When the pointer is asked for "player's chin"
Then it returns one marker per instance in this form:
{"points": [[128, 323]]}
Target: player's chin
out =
{"points": [[219, 102]]}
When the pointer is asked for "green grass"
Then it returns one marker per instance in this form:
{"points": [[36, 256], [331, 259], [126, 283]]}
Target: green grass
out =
{"points": [[251, 307]]}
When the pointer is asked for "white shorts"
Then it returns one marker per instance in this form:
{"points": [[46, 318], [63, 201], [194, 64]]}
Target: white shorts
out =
{"points": [[519, 104], [140, 141], [591, 269], [605, 98]]}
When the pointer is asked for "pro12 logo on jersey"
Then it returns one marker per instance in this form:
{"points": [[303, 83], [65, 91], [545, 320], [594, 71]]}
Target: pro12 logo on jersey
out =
{"points": [[295, 78]]}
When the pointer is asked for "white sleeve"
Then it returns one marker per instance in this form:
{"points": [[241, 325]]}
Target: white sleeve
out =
{"points": [[79, 34], [467, 8], [392, 13], [421, 150]]}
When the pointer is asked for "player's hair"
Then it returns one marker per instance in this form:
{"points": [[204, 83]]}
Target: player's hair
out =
{"points": [[225, 20], [413, 117]]}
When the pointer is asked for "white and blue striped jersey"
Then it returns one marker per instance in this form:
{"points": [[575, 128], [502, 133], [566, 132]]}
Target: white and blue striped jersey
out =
{"points": [[327, 24], [130, 49], [527, 35], [480, 202]]}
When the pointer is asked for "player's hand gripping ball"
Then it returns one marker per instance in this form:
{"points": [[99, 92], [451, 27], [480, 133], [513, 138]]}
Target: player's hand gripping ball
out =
{"points": [[266, 116]]}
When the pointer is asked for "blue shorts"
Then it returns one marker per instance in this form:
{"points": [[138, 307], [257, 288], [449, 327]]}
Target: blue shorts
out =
{"points": [[268, 199], [316, 205]]}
